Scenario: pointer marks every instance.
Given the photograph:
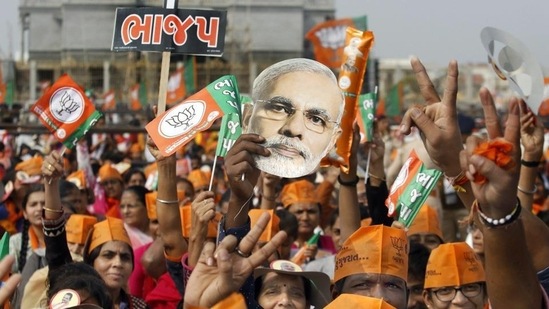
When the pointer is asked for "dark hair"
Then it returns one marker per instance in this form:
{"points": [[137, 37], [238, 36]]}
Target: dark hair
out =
{"points": [[90, 257], [258, 283], [418, 257], [333, 218], [26, 225], [66, 187], [140, 192], [288, 222], [79, 276], [131, 172]]}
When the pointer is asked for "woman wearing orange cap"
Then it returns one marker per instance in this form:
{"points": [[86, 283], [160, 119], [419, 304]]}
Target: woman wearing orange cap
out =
{"points": [[108, 247]]}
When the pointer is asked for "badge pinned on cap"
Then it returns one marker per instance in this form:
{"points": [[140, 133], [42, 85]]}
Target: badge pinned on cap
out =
{"points": [[514, 62], [65, 299]]}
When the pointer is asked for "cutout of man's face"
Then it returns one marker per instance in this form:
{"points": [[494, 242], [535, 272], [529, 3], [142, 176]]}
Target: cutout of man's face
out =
{"points": [[298, 120]]}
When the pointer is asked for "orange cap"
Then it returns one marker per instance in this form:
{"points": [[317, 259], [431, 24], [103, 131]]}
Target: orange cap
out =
{"points": [[32, 166], [186, 213], [301, 191], [358, 301], [199, 179], [108, 230], [426, 221], [135, 147], [78, 227], [108, 171], [273, 226], [453, 264], [78, 178], [149, 169], [150, 199], [375, 249], [366, 222]]}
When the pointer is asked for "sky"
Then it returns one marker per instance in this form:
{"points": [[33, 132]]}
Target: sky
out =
{"points": [[434, 30]]}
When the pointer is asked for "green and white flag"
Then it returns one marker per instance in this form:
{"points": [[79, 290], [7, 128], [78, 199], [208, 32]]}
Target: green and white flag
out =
{"points": [[367, 108], [229, 132]]}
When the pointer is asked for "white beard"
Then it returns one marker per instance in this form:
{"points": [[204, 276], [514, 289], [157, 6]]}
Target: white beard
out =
{"points": [[286, 167]]}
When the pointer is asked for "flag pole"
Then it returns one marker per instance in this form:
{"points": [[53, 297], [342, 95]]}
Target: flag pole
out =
{"points": [[367, 173], [61, 155], [212, 174], [165, 69]]}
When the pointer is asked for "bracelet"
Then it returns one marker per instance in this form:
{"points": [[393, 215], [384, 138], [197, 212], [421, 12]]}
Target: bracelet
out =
{"points": [[376, 177], [528, 192], [167, 201], [496, 223], [351, 183], [529, 163], [458, 181], [58, 211]]}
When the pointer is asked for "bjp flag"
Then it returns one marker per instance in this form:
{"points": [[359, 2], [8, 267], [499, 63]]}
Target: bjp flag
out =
{"points": [[66, 111], [109, 101], [2, 92], [176, 87], [365, 117], [328, 39], [544, 108], [180, 124], [411, 188]]}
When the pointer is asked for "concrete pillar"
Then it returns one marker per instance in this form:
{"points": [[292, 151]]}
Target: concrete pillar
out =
{"points": [[33, 76], [106, 76]]}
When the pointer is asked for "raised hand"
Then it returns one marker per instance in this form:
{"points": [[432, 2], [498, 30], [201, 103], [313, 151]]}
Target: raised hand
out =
{"points": [[498, 196], [531, 134], [52, 166], [223, 271], [437, 120]]}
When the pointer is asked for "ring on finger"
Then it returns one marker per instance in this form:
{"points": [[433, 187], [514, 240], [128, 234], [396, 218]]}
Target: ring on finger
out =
{"points": [[242, 254], [49, 167]]}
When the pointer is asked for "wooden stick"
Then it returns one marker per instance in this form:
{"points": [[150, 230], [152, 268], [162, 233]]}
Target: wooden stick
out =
{"points": [[163, 85]]}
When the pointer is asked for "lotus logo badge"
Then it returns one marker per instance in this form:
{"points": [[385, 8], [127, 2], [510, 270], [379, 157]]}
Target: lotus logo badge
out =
{"points": [[182, 118], [67, 104]]}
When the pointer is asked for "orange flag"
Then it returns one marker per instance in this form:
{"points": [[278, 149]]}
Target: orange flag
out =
{"points": [[176, 87], [66, 111], [135, 104], [328, 39], [109, 101]]}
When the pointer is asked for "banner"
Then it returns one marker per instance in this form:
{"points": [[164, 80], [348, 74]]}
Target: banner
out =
{"points": [[367, 107], [229, 132], [410, 190], [196, 32], [65, 111], [180, 124], [328, 39], [109, 101]]}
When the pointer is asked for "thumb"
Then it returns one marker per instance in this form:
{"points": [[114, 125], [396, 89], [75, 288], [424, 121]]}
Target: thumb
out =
{"points": [[225, 267], [423, 123], [486, 168]]}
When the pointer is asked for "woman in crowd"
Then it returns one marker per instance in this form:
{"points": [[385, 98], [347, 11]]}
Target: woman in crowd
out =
{"points": [[108, 248]]}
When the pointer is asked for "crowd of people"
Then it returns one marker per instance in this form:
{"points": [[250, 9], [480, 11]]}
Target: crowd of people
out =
{"points": [[92, 227]]}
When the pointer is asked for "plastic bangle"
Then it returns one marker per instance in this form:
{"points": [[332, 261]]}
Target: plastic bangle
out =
{"points": [[167, 201], [528, 192], [376, 177], [496, 223], [529, 163], [351, 183]]}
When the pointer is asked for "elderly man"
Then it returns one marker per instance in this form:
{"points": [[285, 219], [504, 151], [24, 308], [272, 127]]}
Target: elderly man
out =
{"points": [[297, 109]]}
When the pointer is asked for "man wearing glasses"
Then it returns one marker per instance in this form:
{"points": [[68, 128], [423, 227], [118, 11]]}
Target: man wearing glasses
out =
{"points": [[297, 109], [454, 278]]}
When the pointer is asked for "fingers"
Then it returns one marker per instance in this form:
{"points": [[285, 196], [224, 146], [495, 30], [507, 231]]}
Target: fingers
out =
{"points": [[512, 127], [207, 254], [228, 243], [490, 114], [450, 91], [247, 244], [11, 284], [261, 255], [426, 87], [424, 124]]}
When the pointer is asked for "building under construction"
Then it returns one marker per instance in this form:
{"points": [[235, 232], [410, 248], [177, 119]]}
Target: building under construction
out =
{"points": [[74, 37]]}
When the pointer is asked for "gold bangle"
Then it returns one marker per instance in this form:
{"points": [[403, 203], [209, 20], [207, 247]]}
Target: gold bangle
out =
{"points": [[167, 201], [59, 211], [376, 177]]}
